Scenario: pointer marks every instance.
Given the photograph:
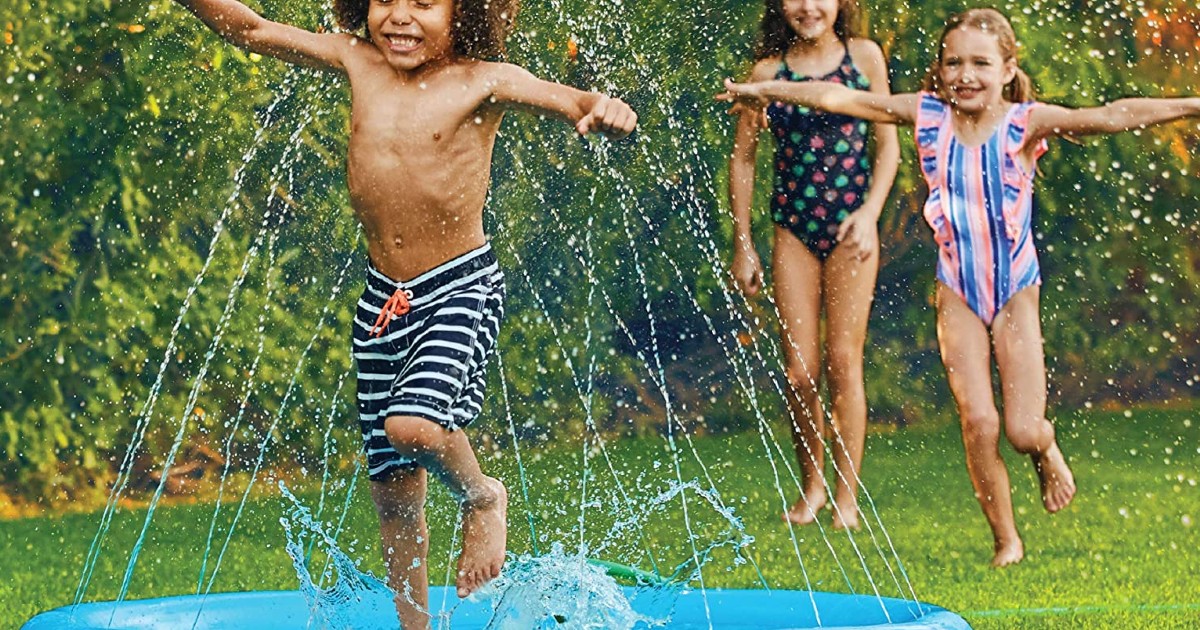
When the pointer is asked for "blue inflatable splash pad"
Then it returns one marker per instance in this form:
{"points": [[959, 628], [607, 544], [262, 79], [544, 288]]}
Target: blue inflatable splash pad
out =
{"points": [[719, 609]]}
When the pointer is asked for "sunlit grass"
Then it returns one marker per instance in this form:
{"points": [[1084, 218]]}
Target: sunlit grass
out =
{"points": [[1124, 555]]}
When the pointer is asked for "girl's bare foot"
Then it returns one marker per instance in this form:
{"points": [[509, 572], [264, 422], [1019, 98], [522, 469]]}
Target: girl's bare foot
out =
{"points": [[846, 516], [804, 510], [485, 534], [1010, 552], [1058, 484]]}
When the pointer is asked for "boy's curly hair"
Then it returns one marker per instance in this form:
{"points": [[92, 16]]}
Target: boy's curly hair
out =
{"points": [[480, 26]]}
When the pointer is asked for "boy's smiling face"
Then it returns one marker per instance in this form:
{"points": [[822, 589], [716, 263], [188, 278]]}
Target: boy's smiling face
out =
{"points": [[411, 33]]}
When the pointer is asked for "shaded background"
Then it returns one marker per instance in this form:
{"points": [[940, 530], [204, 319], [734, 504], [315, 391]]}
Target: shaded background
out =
{"points": [[127, 130]]}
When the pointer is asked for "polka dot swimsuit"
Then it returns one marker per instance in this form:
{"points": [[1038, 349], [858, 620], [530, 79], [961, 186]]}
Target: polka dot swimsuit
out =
{"points": [[821, 168]]}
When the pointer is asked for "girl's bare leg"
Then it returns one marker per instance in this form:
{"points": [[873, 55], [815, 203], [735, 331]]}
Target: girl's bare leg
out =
{"points": [[1017, 338], [966, 353], [400, 502], [797, 277], [849, 291]]}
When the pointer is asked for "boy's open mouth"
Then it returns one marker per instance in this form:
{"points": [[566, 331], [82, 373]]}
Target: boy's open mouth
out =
{"points": [[403, 43]]}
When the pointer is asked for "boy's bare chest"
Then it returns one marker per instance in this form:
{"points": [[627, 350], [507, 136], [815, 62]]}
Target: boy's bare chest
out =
{"points": [[415, 115]]}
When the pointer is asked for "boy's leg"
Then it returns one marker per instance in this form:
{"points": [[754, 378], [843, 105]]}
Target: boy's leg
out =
{"points": [[966, 354], [448, 455], [797, 278], [849, 290], [1017, 335], [400, 502]]}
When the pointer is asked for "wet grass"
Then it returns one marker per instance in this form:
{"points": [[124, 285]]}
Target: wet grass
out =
{"points": [[1124, 555]]}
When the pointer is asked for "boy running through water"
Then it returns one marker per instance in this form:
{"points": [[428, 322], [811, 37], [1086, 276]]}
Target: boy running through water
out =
{"points": [[424, 116]]}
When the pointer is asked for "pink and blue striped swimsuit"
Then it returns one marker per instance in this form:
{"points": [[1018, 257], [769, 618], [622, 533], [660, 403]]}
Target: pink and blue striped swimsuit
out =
{"points": [[980, 207]]}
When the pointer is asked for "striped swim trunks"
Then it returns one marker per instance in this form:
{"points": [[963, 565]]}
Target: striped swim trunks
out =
{"points": [[422, 348]]}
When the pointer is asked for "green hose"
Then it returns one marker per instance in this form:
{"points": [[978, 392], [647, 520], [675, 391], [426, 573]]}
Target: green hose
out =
{"points": [[627, 572]]}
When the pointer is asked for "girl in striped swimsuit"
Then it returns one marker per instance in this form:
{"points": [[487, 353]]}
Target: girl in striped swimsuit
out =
{"points": [[979, 135]]}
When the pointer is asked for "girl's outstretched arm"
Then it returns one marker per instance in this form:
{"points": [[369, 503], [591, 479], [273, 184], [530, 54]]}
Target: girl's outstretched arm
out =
{"points": [[591, 112], [242, 27], [1122, 115], [897, 109]]}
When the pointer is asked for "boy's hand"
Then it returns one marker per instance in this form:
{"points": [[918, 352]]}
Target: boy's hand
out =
{"points": [[609, 116]]}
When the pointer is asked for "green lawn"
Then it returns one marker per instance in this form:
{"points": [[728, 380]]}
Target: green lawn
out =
{"points": [[1125, 555]]}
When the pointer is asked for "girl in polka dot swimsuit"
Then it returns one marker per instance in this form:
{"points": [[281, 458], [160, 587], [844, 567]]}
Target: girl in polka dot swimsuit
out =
{"points": [[821, 169], [825, 201]]}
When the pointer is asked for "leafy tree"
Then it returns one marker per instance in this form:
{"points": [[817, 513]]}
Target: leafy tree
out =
{"points": [[137, 149]]}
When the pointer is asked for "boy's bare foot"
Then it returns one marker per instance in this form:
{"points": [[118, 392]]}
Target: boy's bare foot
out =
{"points": [[1058, 484], [485, 537], [846, 517], [412, 614], [1010, 552], [804, 510]]}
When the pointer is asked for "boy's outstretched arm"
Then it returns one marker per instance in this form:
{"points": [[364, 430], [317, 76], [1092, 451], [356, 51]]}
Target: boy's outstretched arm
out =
{"points": [[242, 27], [896, 109], [1122, 115], [591, 112]]}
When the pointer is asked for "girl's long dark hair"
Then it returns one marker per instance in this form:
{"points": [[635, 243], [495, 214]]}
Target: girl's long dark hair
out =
{"points": [[776, 35], [480, 26]]}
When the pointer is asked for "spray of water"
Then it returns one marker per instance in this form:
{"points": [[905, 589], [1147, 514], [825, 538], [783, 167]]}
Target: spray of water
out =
{"points": [[353, 596], [560, 590], [584, 598]]}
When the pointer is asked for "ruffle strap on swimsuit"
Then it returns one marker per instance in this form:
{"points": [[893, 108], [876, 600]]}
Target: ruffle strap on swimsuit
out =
{"points": [[933, 131], [931, 118], [1016, 179]]}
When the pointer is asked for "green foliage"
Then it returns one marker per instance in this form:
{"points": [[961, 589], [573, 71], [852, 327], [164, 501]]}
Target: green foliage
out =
{"points": [[129, 130], [114, 181]]}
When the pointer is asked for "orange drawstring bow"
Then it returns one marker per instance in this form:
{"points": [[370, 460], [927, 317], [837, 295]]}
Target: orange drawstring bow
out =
{"points": [[396, 306]]}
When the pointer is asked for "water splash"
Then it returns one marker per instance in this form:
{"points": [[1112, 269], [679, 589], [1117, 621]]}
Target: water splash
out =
{"points": [[563, 591], [354, 600], [556, 590], [734, 536]]}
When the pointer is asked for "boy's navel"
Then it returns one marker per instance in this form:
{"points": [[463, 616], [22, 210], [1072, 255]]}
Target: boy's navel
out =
{"points": [[437, 135]]}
